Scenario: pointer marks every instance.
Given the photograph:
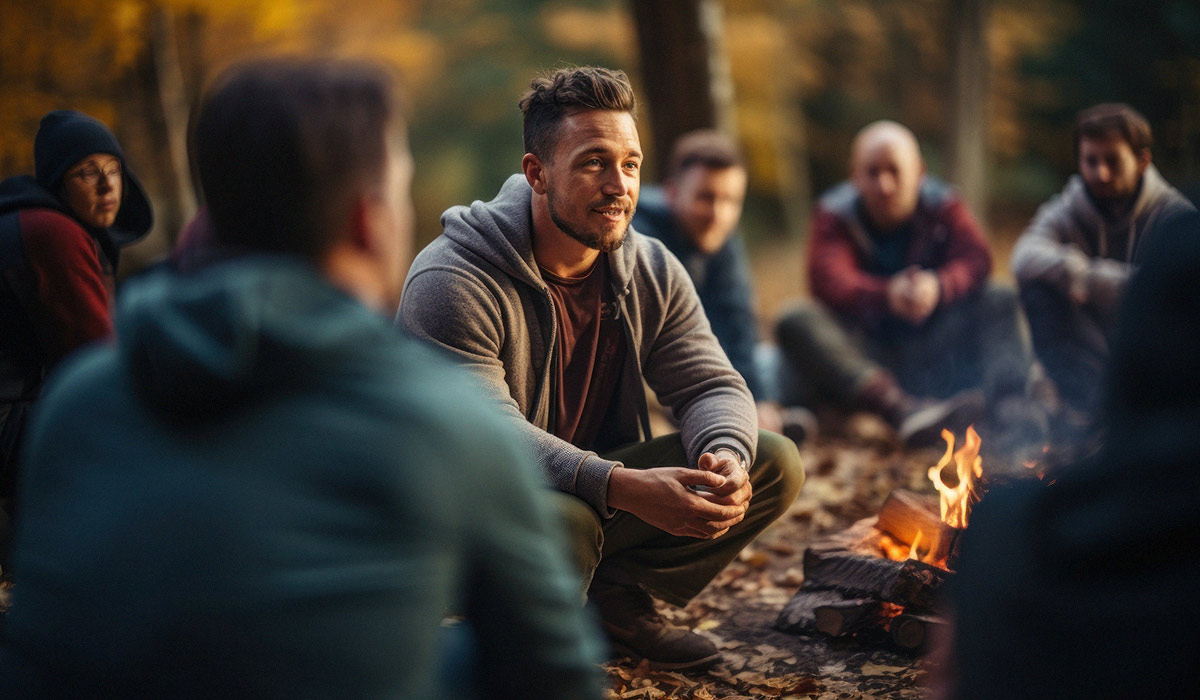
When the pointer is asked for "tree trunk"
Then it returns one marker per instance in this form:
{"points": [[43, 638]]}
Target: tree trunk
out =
{"points": [[685, 72], [968, 170], [791, 140], [173, 102]]}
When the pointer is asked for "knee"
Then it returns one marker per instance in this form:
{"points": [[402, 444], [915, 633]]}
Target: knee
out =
{"points": [[999, 300], [779, 459], [799, 323], [584, 532], [1040, 299]]}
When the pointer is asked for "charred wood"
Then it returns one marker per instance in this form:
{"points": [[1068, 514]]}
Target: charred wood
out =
{"points": [[800, 614], [908, 582]]}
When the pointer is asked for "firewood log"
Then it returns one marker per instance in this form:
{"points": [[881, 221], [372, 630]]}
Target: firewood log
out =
{"points": [[848, 616], [908, 583], [911, 630], [799, 615], [905, 513]]}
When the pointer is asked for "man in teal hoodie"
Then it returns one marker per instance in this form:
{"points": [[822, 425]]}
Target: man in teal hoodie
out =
{"points": [[262, 490]]}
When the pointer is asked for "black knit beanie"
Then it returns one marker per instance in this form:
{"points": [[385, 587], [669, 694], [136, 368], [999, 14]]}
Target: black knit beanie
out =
{"points": [[66, 137]]}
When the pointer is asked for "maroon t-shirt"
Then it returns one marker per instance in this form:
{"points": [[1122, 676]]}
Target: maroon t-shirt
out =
{"points": [[589, 353]]}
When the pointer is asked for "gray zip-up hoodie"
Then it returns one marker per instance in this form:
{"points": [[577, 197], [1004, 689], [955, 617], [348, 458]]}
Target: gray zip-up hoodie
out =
{"points": [[476, 291], [1070, 242]]}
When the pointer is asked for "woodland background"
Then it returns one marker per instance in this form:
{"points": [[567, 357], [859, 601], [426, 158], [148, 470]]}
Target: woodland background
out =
{"points": [[989, 86]]}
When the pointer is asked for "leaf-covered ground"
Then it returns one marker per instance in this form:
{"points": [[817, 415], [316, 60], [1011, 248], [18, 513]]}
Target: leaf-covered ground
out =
{"points": [[848, 478]]}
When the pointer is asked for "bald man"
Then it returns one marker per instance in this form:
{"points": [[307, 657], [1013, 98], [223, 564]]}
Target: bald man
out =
{"points": [[903, 321]]}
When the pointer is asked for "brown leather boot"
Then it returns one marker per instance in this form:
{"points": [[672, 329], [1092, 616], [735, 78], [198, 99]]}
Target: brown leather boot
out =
{"points": [[637, 630]]}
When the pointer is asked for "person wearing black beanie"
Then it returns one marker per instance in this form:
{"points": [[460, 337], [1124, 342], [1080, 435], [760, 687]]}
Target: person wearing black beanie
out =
{"points": [[61, 232]]}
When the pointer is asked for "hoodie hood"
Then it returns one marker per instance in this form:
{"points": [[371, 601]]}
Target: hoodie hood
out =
{"points": [[500, 232], [201, 344], [1117, 239], [66, 137], [24, 192]]}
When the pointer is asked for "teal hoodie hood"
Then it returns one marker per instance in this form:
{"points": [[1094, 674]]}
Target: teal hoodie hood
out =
{"points": [[206, 342]]}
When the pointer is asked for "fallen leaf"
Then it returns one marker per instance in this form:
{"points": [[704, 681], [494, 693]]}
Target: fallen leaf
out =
{"points": [[751, 677]]}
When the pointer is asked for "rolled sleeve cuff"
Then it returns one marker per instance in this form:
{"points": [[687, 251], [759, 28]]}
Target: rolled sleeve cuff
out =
{"points": [[730, 444], [591, 483]]}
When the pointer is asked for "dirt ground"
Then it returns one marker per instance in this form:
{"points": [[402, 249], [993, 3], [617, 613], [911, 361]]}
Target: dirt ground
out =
{"points": [[849, 476]]}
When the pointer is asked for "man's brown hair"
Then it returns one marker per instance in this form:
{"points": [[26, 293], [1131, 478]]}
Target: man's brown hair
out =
{"points": [[283, 146], [704, 147], [1113, 118], [555, 95]]}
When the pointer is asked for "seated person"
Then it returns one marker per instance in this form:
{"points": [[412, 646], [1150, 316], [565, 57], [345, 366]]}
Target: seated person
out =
{"points": [[563, 311], [61, 232], [1085, 582], [695, 214], [1074, 261], [904, 322], [262, 490]]}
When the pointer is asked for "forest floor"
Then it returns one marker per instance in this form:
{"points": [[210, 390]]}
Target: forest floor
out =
{"points": [[848, 478]]}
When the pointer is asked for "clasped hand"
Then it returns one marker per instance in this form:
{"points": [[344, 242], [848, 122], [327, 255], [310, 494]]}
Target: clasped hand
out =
{"points": [[913, 294], [703, 502]]}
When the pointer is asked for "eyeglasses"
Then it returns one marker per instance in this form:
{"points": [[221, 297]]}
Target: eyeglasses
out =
{"points": [[90, 174]]}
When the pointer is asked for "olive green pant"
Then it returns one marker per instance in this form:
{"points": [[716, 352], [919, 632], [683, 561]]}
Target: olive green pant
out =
{"points": [[671, 567]]}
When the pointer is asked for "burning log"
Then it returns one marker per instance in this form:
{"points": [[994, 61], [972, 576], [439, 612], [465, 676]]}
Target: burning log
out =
{"points": [[869, 576], [906, 516], [908, 582]]}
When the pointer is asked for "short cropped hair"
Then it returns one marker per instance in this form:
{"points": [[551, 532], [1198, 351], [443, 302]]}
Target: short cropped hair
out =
{"points": [[1105, 120], [555, 95], [704, 147], [283, 145]]}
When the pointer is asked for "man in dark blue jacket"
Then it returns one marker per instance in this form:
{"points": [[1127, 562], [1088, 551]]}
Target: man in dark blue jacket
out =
{"points": [[695, 213]]}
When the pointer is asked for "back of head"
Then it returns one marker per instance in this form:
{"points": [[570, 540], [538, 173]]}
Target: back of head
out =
{"points": [[707, 148], [1113, 119], [283, 146], [553, 96]]}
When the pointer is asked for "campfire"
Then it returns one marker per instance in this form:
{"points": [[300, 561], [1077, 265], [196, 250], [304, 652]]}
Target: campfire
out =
{"points": [[883, 572]]}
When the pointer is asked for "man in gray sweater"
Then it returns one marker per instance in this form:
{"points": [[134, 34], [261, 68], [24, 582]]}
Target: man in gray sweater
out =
{"points": [[563, 311], [1074, 261]]}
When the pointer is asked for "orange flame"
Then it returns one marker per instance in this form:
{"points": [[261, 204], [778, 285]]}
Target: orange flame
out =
{"points": [[912, 551], [956, 500]]}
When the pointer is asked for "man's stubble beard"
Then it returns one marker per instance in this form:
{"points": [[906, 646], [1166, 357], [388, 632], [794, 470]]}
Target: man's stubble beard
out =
{"points": [[595, 242]]}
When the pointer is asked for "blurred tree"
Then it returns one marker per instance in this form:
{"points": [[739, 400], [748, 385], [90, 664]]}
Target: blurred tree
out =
{"points": [[684, 69], [968, 135]]}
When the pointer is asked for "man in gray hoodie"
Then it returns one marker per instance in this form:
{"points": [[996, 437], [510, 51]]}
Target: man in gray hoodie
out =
{"points": [[1074, 261], [563, 311]]}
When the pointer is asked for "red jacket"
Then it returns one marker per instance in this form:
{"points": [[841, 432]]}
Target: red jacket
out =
{"points": [[946, 239], [56, 289]]}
